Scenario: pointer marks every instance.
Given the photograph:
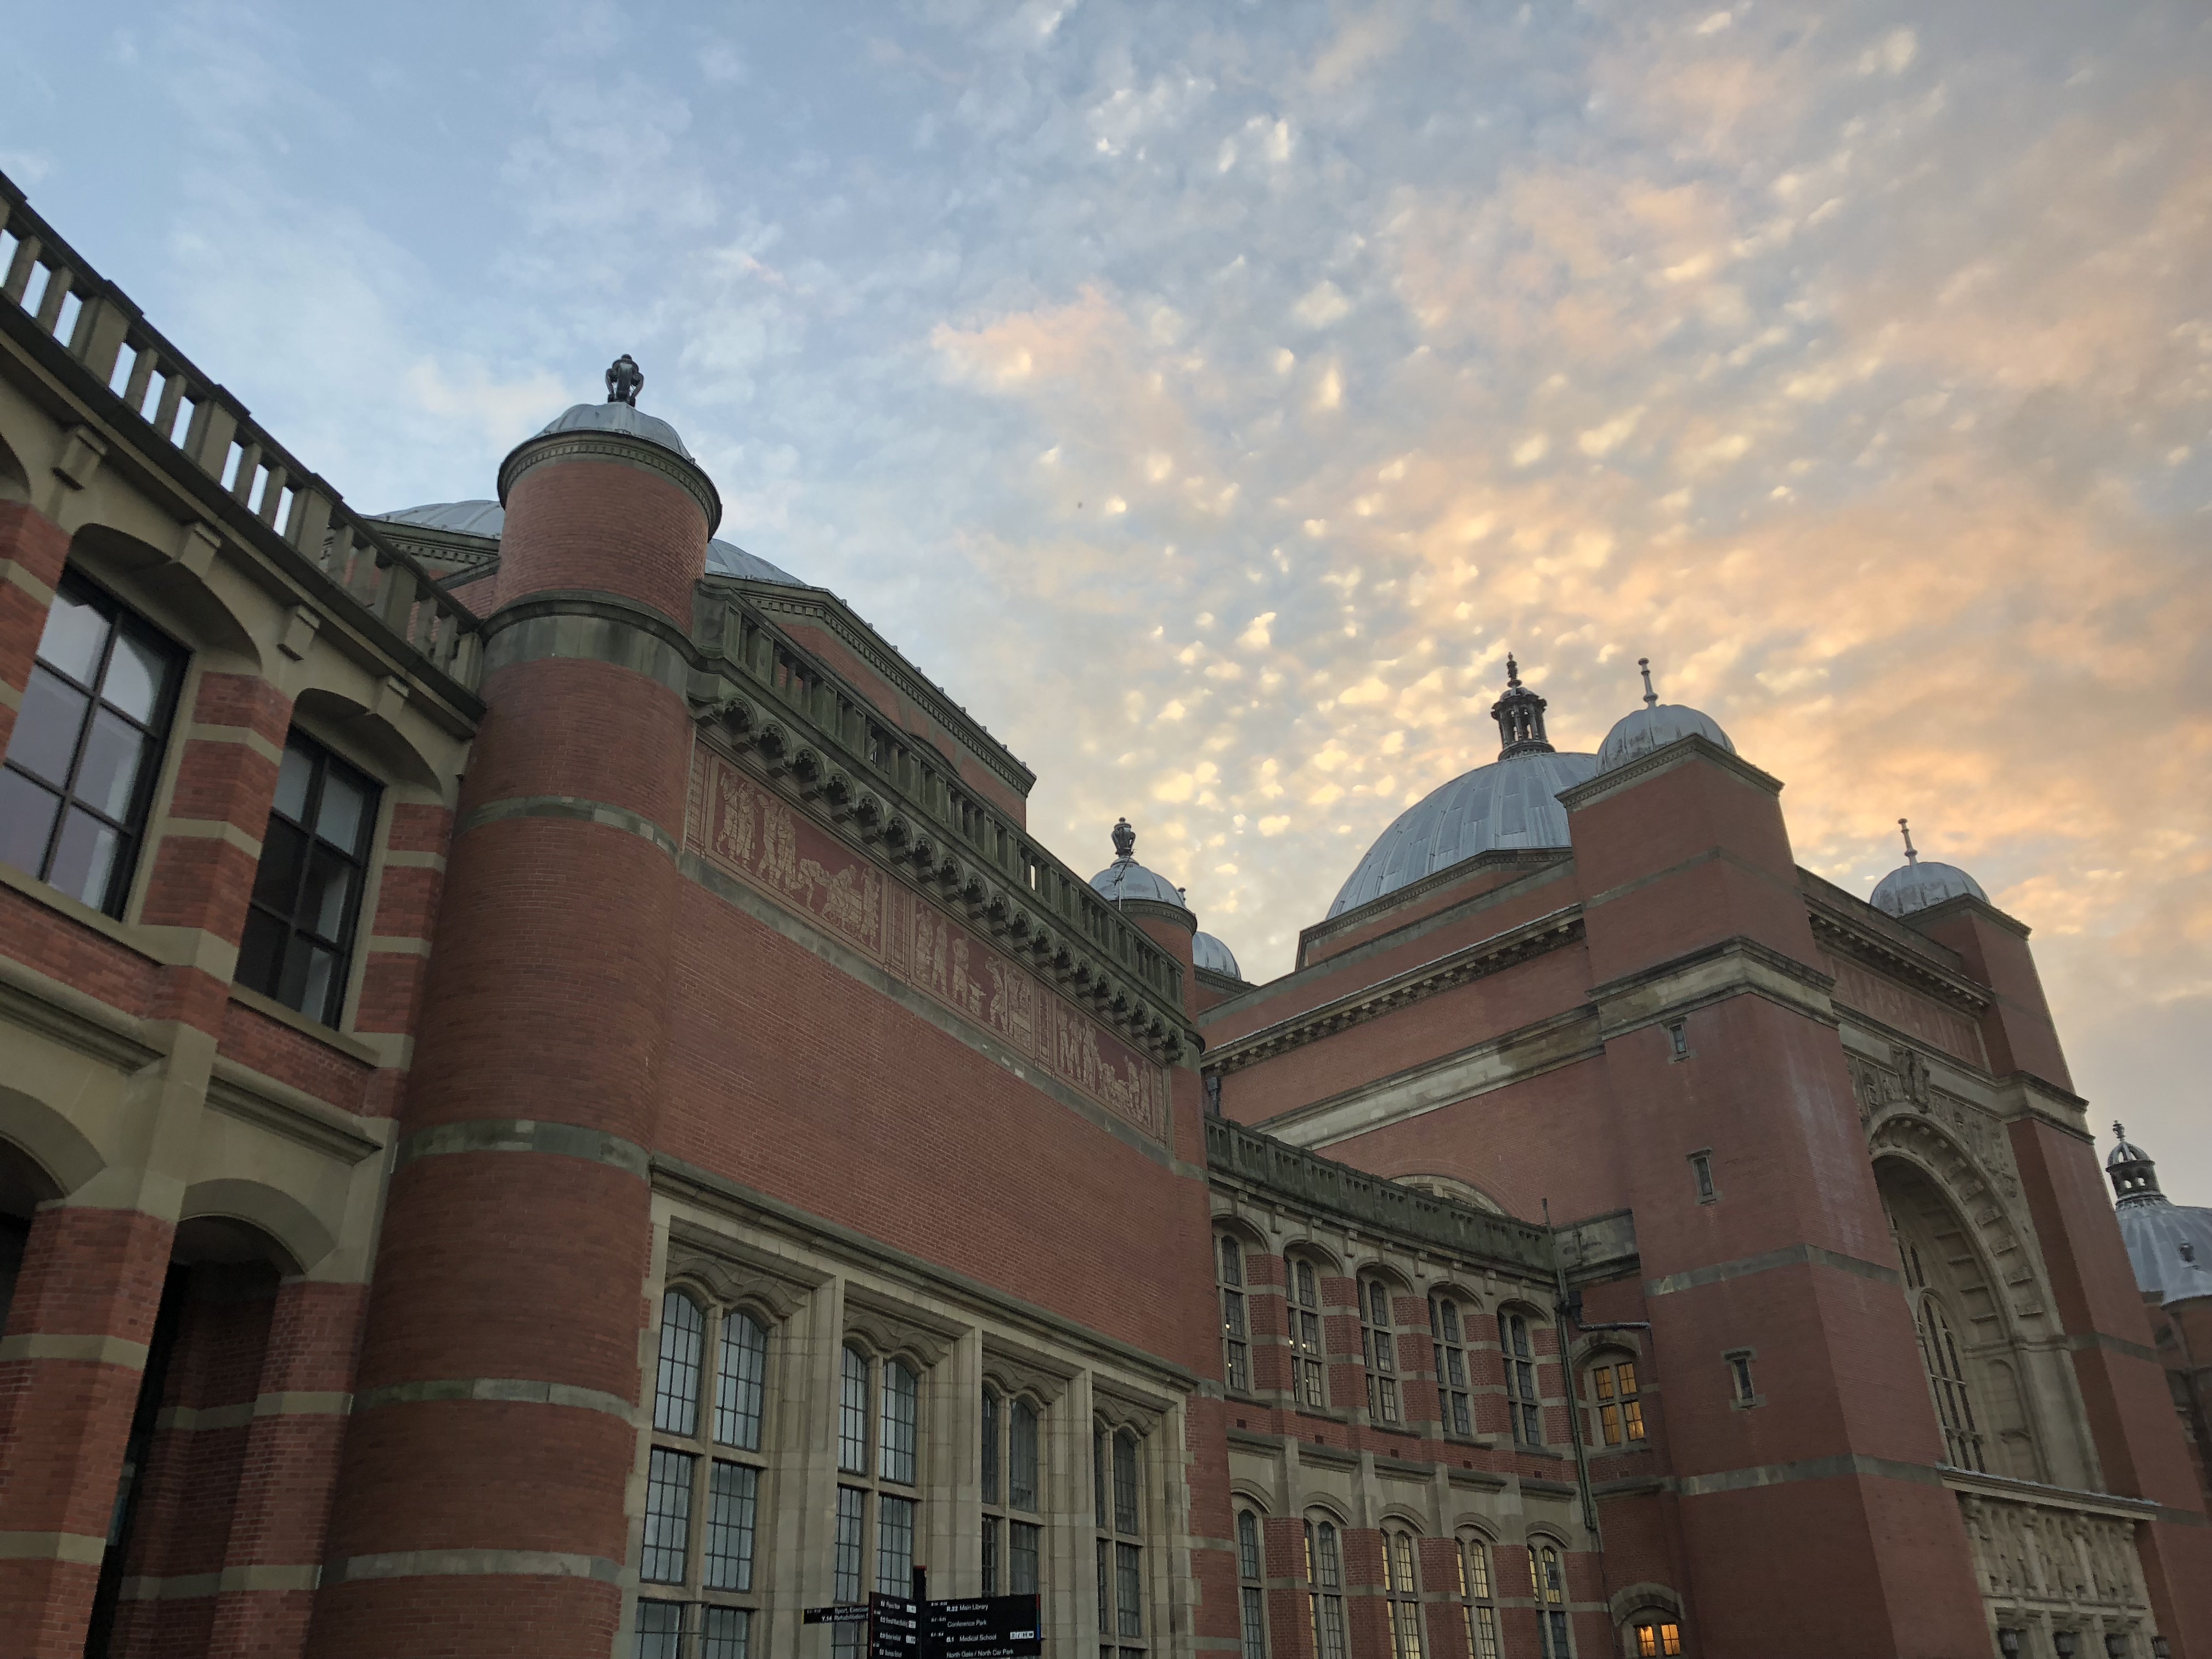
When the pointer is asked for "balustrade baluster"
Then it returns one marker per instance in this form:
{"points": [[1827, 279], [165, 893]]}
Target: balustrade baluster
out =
{"points": [[144, 360], [20, 268], [59, 279], [249, 465]]}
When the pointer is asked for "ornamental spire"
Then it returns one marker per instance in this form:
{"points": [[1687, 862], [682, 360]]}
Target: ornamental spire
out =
{"points": [[1520, 717], [2133, 1172], [1650, 697], [1912, 852]]}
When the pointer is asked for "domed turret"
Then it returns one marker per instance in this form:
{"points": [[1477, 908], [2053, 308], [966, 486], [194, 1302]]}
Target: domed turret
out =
{"points": [[625, 379], [1915, 885], [1655, 725], [1215, 957], [1127, 881], [2169, 1244], [1513, 802]]}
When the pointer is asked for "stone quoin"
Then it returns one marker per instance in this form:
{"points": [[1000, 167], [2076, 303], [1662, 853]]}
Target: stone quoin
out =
{"points": [[550, 1103]]}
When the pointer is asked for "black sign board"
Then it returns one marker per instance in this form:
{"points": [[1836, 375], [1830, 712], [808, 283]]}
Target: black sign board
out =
{"points": [[894, 1627], [844, 1612], [987, 1628]]}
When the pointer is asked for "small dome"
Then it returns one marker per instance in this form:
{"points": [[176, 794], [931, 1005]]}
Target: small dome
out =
{"points": [[1917, 884], [1651, 729], [463, 518], [1126, 879], [1647, 730], [1509, 803], [618, 417], [2125, 1151], [490, 518], [1210, 954], [1917, 887]]}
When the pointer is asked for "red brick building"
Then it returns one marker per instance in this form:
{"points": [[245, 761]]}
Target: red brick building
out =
{"points": [[550, 1104]]}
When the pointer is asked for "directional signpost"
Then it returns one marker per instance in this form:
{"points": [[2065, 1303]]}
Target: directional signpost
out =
{"points": [[915, 1627]]}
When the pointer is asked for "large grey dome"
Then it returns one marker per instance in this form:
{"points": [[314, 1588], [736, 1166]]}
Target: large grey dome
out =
{"points": [[1126, 879], [2169, 1245], [490, 518], [618, 417], [1647, 731], [1210, 954], [1509, 803], [1918, 885]]}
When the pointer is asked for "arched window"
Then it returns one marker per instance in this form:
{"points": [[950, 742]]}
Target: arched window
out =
{"points": [[1119, 1516], [1014, 1524], [704, 1476], [1523, 1405], [1379, 1347], [1619, 1407], [1939, 1352], [1251, 1586], [1478, 1597], [87, 747], [1235, 1351], [1657, 1636], [1306, 1335], [878, 1412], [1448, 1338], [1548, 1585], [1325, 1588], [1402, 1589]]}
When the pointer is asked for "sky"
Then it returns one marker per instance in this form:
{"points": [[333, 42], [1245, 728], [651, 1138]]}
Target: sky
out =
{"points": [[1209, 395]]}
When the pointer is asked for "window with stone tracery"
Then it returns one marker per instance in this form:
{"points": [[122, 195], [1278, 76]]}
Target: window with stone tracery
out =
{"points": [[1117, 1497], [1448, 1340], [1236, 1330], [704, 1472], [1378, 1344], [1478, 1597], [1616, 1402], [1013, 1517], [878, 1500], [1946, 1380], [1547, 1583], [1402, 1590], [1306, 1355], [1523, 1405], [1324, 1565]]}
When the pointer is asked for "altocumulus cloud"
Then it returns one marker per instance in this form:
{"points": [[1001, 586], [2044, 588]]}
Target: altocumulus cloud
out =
{"points": [[1210, 395]]}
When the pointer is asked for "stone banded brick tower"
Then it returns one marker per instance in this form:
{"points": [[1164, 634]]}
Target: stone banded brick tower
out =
{"points": [[503, 1340]]}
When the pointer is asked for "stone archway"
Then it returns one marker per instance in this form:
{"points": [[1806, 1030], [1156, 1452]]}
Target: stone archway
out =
{"points": [[1954, 1264]]}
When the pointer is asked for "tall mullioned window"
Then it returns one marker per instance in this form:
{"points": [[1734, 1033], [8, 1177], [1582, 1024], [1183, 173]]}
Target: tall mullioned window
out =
{"points": [[1306, 1354], [1013, 1525], [1379, 1347], [1118, 1506], [1324, 1567], [1947, 1379], [81, 762], [1403, 1581], [704, 1471], [1523, 1405], [1478, 1597], [299, 941], [1447, 1338], [879, 1505], [1547, 1584], [1251, 1586], [1235, 1331]]}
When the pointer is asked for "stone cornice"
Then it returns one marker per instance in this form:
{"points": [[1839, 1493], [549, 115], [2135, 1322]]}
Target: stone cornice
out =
{"points": [[1731, 967], [622, 448], [871, 647], [1680, 752], [1836, 931], [1157, 910], [1485, 957]]}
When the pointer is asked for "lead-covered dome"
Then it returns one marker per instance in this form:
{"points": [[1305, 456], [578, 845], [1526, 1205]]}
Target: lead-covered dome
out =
{"points": [[2169, 1245], [1126, 879], [1652, 727], [1210, 954], [1918, 882], [1513, 802], [618, 417], [490, 518]]}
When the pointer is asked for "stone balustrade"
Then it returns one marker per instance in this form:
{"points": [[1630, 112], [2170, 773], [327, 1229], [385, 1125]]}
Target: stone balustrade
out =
{"points": [[151, 393]]}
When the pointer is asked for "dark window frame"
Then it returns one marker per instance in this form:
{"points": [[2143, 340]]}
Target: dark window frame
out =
{"points": [[154, 731], [298, 939]]}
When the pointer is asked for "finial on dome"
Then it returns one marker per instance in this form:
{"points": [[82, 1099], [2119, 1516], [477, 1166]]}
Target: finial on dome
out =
{"points": [[1650, 697], [1520, 717], [1125, 840], [625, 379], [1912, 852], [2119, 1130]]}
